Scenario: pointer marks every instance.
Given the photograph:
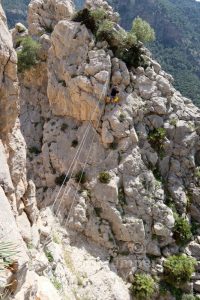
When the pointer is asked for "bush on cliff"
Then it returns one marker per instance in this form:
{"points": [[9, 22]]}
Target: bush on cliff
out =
{"points": [[178, 269], [28, 54], [143, 287], [182, 230]]}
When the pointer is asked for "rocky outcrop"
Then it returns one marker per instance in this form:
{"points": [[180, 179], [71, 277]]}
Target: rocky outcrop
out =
{"points": [[78, 85], [45, 14]]}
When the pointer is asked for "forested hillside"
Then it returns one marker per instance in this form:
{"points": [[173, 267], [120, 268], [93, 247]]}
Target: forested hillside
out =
{"points": [[177, 24]]}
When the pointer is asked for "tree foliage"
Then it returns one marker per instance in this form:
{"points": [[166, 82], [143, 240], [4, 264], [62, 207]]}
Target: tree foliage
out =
{"points": [[143, 31]]}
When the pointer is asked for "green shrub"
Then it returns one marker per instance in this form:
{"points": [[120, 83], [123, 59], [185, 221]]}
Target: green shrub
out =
{"points": [[131, 56], [91, 18], [105, 31], [57, 284], [28, 55], [84, 17], [122, 117], [195, 226], [189, 297], [98, 211], [80, 177], [34, 150], [166, 288], [156, 138], [74, 143], [178, 269], [173, 121], [64, 126], [98, 15], [49, 256], [182, 230], [62, 179], [62, 82], [122, 196], [114, 145], [104, 177], [197, 173], [143, 31], [143, 287], [48, 29]]}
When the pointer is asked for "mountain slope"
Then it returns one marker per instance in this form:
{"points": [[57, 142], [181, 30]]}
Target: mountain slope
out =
{"points": [[177, 24]]}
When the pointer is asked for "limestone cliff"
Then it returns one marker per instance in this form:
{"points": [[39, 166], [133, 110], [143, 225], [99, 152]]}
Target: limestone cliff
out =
{"points": [[125, 166]]}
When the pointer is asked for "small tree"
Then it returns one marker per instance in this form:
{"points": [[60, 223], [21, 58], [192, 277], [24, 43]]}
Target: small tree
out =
{"points": [[143, 31], [28, 55]]}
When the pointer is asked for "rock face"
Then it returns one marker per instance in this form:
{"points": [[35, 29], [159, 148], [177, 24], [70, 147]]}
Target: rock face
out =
{"points": [[78, 84], [8, 78], [110, 216]]}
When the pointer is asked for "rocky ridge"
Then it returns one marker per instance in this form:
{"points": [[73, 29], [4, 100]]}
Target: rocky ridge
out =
{"points": [[98, 234]]}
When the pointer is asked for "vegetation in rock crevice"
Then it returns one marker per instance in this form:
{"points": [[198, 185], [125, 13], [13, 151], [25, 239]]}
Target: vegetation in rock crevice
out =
{"points": [[104, 177], [143, 287], [28, 54], [156, 139], [182, 231]]}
